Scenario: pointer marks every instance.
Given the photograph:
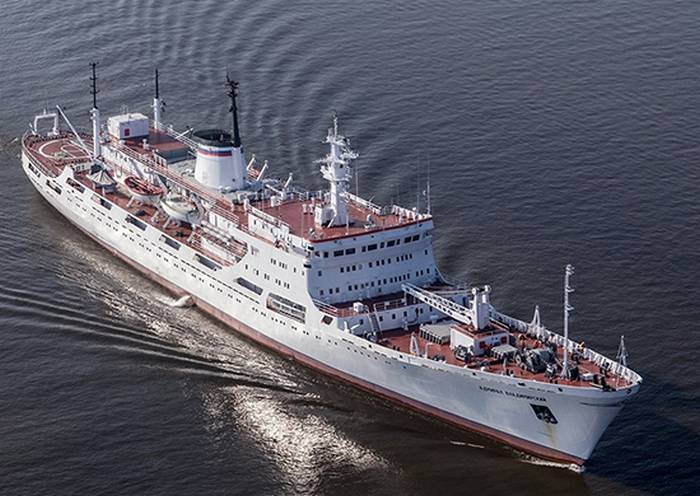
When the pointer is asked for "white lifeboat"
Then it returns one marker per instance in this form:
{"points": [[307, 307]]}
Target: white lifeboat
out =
{"points": [[143, 191], [102, 180], [181, 208]]}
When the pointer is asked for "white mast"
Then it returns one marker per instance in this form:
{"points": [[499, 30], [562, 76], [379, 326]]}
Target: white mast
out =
{"points": [[95, 114], [569, 271], [336, 170]]}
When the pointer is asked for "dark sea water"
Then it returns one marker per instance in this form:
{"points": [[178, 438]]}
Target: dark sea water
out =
{"points": [[555, 131]]}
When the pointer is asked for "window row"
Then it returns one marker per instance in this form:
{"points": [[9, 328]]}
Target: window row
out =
{"points": [[369, 247], [378, 283]]}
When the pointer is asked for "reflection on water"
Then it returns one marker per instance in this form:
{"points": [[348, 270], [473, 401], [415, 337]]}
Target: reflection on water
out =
{"points": [[556, 132], [304, 448]]}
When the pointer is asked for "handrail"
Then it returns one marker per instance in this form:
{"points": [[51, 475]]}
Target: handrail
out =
{"points": [[373, 207], [215, 200], [192, 144], [589, 354], [54, 168]]}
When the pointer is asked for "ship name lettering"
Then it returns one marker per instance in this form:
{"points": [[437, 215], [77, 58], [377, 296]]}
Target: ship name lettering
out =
{"points": [[512, 394]]}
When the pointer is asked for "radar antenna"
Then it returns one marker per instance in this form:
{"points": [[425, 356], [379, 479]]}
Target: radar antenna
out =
{"points": [[233, 93]]}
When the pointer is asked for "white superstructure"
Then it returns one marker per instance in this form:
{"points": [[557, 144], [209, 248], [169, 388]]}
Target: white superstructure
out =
{"points": [[328, 278]]}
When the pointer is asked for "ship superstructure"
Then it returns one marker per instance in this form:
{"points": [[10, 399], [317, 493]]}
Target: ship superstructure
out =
{"points": [[340, 284]]}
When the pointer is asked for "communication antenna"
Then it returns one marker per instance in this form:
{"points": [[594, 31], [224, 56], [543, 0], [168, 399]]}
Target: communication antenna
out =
{"points": [[94, 90], [622, 352], [233, 93], [95, 114], [568, 272], [158, 106], [621, 357], [157, 92], [418, 186], [427, 191], [357, 179]]}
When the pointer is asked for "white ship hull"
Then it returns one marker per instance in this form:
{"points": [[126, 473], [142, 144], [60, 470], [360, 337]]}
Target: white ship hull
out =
{"points": [[496, 405]]}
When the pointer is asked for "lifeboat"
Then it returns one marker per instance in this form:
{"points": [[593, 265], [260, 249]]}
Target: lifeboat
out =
{"points": [[102, 180], [181, 208], [143, 191]]}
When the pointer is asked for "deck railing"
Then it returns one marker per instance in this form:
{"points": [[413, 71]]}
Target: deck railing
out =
{"points": [[218, 205], [50, 166], [389, 305], [602, 361]]}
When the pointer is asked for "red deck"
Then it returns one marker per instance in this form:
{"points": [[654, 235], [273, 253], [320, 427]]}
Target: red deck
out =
{"points": [[54, 153], [145, 213], [291, 212], [301, 220], [401, 341]]}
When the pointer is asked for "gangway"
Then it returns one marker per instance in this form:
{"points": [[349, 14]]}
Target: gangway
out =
{"points": [[453, 310]]}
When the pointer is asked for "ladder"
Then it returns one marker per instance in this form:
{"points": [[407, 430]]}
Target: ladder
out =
{"points": [[375, 322]]}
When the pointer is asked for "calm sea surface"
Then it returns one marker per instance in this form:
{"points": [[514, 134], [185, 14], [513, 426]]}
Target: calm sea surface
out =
{"points": [[555, 132]]}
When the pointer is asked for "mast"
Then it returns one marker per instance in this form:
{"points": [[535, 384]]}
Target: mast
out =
{"points": [[335, 168], [238, 164], [427, 192], [157, 105], [568, 272], [621, 358], [95, 114], [622, 352], [233, 93]]}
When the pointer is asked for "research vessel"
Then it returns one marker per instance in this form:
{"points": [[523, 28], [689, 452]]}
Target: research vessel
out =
{"points": [[336, 282]]}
